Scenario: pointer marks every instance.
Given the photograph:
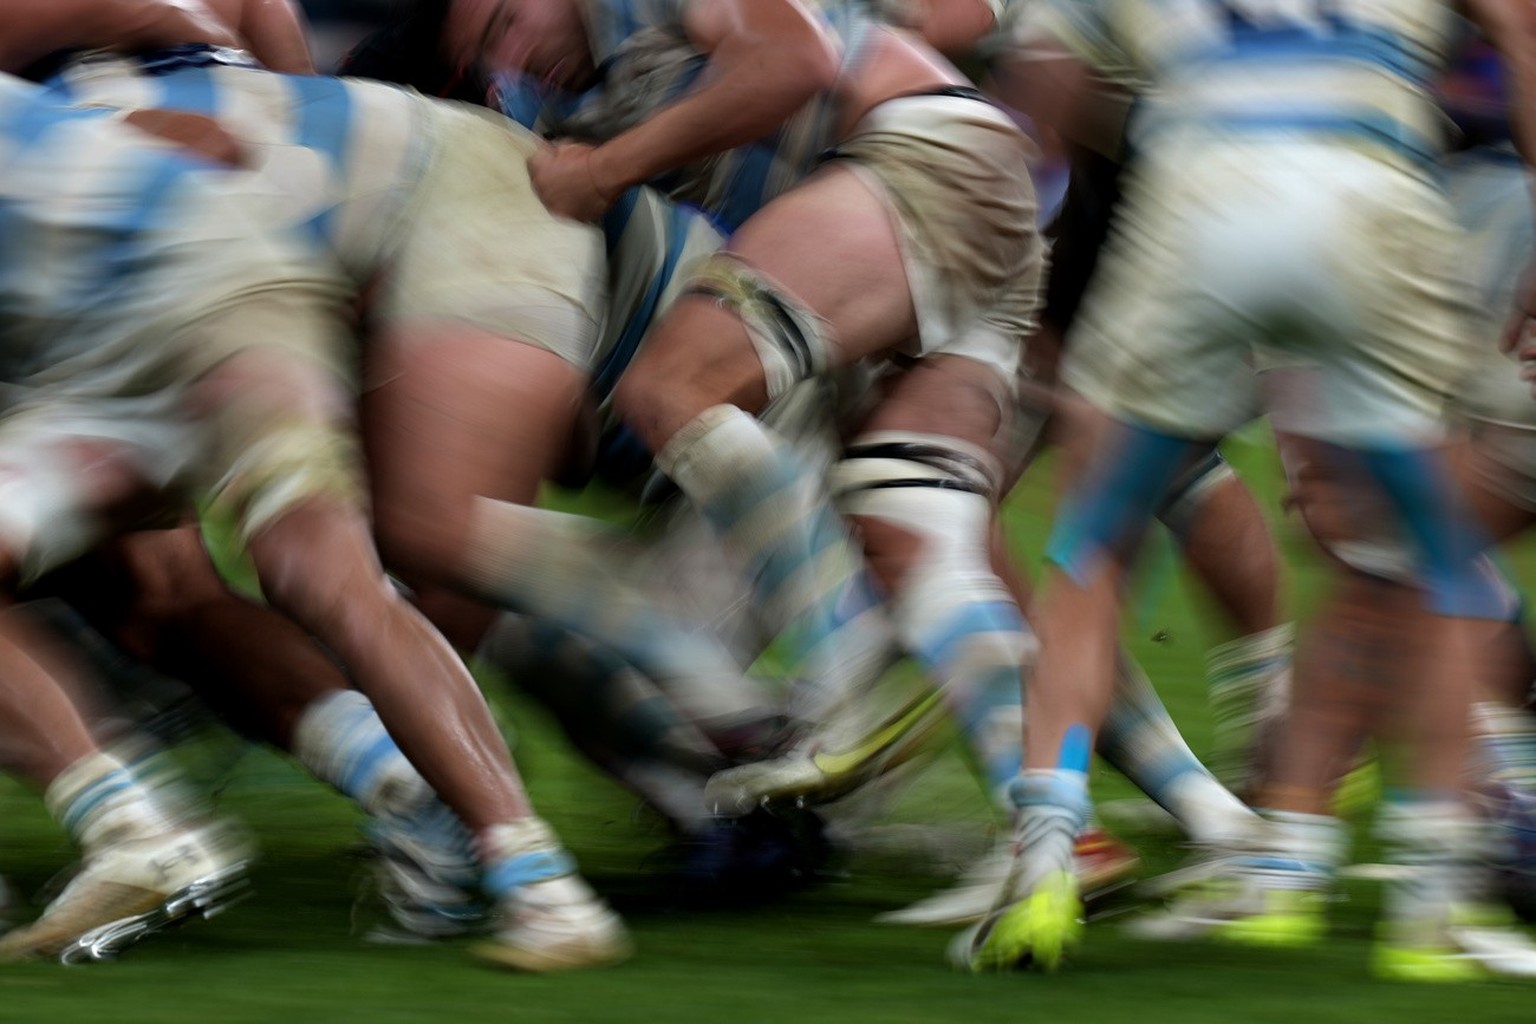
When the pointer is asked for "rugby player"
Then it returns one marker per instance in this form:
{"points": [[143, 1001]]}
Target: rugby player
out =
{"points": [[789, 298], [1332, 118], [460, 751]]}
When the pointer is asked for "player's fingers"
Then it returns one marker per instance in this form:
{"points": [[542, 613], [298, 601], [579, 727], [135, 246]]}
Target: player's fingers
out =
{"points": [[195, 132], [1514, 331]]}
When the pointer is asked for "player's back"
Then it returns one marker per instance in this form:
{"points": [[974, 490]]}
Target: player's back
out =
{"points": [[1360, 70], [103, 230], [1282, 193], [345, 157]]}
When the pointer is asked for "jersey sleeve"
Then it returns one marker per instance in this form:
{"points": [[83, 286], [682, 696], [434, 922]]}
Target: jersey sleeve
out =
{"points": [[1085, 29]]}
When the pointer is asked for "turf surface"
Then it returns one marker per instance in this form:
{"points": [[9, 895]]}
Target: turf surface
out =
{"points": [[290, 954]]}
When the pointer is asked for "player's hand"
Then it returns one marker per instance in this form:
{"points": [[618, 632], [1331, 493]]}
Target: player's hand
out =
{"points": [[196, 133], [567, 178], [1522, 318], [1519, 336]]}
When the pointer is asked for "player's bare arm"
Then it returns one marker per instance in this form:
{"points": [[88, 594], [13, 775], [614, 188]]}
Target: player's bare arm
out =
{"points": [[36, 28], [274, 32], [953, 27], [767, 59]]}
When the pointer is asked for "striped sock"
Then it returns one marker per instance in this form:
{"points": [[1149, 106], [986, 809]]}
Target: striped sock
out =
{"points": [[1506, 739], [1294, 851], [1053, 808], [774, 513], [977, 657], [582, 575], [1437, 842], [1141, 741], [1248, 681], [99, 801], [341, 741]]}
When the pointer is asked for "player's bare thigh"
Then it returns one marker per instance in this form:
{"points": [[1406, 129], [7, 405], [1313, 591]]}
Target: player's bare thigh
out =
{"points": [[830, 245]]}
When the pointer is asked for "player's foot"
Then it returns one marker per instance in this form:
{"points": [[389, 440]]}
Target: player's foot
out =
{"points": [[1100, 860], [1478, 944], [553, 921], [132, 889], [1241, 896], [817, 770], [427, 877], [1037, 931]]}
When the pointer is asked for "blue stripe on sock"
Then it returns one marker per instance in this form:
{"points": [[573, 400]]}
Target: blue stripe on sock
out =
{"points": [[999, 770], [93, 796], [1000, 689], [1158, 775], [515, 872], [1076, 749], [1286, 864], [359, 777], [979, 617]]}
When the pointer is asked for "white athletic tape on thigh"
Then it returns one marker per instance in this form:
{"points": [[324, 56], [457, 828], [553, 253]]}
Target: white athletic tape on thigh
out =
{"points": [[791, 341], [940, 491], [889, 459]]}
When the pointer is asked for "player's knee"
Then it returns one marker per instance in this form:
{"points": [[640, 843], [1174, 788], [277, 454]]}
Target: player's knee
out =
{"points": [[666, 391], [169, 573], [1192, 492], [316, 565], [950, 396]]}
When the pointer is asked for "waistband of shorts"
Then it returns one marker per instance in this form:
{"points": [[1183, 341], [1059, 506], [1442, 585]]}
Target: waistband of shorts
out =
{"points": [[964, 92], [942, 102]]}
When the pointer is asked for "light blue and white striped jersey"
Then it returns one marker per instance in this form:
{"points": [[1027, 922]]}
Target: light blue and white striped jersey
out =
{"points": [[1358, 69], [347, 155], [645, 61], [651, 242], [86, 207]]}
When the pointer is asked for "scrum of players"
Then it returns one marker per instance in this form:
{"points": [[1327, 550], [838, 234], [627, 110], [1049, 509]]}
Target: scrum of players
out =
{"points": [[775, 268]]}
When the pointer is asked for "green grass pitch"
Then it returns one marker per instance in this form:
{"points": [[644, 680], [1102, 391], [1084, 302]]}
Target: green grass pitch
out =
{"points": [[290, 955]]}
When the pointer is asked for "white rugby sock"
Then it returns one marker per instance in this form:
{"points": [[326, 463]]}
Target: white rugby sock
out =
{"points": [[580, 574], [1249, 685], [774, 513], [1438, 842], [341, 740], [952, 611], [1053, 808], [1141, 741], [100, 802]]}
